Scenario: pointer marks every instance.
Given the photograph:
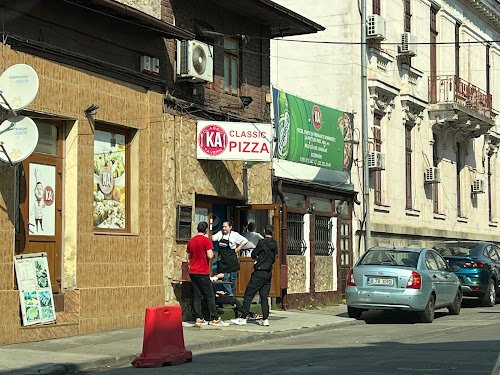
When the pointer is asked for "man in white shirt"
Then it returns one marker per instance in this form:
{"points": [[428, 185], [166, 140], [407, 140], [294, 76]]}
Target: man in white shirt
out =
{"points": [[230, 245], [253, 238]]}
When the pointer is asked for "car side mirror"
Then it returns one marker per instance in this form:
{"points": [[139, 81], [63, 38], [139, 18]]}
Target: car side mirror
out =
{"points": [[453, 268]]}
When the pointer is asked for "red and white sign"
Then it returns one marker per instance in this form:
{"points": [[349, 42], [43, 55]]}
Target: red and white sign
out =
{"points": [[219, 140]]}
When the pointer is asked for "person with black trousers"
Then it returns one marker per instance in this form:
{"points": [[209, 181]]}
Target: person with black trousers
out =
{"points": [[260, 281]]}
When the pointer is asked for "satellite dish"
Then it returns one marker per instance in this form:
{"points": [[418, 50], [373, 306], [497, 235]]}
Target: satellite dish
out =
{"points": [[19, 86], [199, 59], [19, 137]]}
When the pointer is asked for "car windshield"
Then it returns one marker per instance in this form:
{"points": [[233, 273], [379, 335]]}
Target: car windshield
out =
{"points": [[456, 249], [390, 257]]}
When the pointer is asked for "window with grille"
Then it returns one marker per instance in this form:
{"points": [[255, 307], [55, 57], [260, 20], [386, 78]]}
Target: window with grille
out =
{"points": [[377, 145], [408, 159], [295, 245], [407, 8], [323, 245]]}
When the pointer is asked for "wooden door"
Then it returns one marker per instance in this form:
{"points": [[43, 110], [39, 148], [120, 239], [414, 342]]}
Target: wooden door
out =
{"points": [[344, 255], [40, 201], [262, 215]]}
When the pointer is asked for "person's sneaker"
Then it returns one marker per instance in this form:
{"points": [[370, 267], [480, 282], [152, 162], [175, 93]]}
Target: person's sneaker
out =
{"points": [[264, 322], [200, 322], [239, 321], [218, 322], [253, 316]]}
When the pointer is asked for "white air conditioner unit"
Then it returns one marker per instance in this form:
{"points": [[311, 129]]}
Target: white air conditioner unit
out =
{"points": [[195, 61], [150, 65], [408, 46], [478, 186], [431, 175], [375, 29], [376, 161]]}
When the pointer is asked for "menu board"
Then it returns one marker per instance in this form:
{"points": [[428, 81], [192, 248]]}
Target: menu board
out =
{"points": [[35, 291]]}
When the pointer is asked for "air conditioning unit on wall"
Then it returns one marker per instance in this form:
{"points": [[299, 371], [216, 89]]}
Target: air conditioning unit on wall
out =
{"points": [[431, 175], [375, 29], [478, 186], [195, 61], [376, 161], [408, 46]]}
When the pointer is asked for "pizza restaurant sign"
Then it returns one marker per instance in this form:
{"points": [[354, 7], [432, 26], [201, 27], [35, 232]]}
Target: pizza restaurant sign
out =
{"points": [[248, 141]]}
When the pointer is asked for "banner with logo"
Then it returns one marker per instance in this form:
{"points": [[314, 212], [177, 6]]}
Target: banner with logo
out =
{"points": [[42, 197], [310, 133], [220, 140]]}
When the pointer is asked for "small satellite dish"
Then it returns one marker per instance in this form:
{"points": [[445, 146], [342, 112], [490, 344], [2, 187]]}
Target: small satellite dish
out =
{"points": [[19, 86], [19, 137]]}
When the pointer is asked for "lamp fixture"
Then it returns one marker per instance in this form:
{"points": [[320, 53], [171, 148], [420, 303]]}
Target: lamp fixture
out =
{"points": [[90, 112], [246, 100]]}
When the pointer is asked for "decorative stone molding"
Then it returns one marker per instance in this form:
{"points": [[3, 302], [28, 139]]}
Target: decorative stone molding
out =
{"points": [[493, 140], [412, 110], [382, 99]]}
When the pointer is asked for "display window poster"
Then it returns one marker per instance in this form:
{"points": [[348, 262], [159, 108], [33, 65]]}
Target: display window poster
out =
{"points": [[109, 180], [42, 199], [311, 133], [35, 291]]}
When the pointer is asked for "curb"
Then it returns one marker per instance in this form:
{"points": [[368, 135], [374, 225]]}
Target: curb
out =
{"points": [[114, 362]]}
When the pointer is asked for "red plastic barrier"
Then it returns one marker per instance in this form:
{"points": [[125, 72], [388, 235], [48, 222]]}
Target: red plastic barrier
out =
{"points": [[163, 341]]}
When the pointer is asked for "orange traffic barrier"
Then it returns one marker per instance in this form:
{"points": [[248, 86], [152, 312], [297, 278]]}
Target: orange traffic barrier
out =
{"points": [[163, 341]]}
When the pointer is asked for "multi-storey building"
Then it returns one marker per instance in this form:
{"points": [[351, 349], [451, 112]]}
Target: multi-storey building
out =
{"points": [[433, 102]]}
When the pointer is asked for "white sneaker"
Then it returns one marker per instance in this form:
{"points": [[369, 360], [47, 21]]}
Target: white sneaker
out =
{"points": [[264, 322], [200, 322], [239, 321]]}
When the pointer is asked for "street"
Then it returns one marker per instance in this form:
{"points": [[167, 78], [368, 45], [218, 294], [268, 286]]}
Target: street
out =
{"points": [[381, 343]]}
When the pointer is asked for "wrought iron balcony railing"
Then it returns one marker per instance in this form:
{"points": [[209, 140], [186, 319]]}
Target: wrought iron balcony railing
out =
{"points": [[453, 89]]}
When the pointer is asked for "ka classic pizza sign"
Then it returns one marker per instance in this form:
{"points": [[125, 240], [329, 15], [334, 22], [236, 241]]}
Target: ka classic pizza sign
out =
{"points": [[234, 141]]}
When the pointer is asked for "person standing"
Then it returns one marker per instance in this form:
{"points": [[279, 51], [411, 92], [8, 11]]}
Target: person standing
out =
{"points": [[200, 251], [260, 281], [230, 245], [253, 237]]}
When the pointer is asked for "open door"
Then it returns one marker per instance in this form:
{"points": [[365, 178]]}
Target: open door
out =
{"points": [[261, 215]]}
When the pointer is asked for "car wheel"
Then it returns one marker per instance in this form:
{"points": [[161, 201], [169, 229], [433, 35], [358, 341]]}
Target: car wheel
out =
{"points": [[489, 298], [454, 308], [354, 312], [427, 316]]}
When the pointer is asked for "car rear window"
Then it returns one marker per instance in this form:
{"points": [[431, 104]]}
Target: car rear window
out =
{"points": [[390, 257], [456, 250]]}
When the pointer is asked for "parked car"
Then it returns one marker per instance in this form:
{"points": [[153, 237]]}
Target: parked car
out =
{"points": [[403, 278], [478, 267]]}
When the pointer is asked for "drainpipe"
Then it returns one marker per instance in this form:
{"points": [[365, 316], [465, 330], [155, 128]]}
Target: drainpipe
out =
{"points": [[284, 238]]}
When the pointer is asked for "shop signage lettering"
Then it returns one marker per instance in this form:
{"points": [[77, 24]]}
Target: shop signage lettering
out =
{"points": [[234, 141]]}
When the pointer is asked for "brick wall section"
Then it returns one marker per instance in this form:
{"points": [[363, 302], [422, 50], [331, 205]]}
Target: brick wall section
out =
{"points": [[255, 64]]}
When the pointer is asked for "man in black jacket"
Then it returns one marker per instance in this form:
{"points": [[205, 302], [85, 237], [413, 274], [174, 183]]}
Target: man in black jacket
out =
{"points": [[260, 281]]}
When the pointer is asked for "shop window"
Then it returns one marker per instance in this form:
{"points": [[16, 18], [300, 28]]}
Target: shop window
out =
{"points": [[184, 215], [295, 200], [47, 138], [231, 66], [322, 204], [111, 180], [323, 245], [295, 243]]}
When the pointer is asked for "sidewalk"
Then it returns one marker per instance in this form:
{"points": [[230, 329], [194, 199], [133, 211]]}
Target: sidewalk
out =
{"points": [[118, 348]]}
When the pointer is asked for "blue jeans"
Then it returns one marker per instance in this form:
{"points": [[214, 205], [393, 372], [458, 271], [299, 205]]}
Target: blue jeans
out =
{"points": [[232, 277]]}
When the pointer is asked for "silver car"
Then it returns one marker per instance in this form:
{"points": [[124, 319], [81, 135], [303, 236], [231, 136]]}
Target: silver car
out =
{"points": [[403, 278]]}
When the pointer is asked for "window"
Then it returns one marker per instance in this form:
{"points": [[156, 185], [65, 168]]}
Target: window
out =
{"points": [[47, 138], [408, 159], [111, 187], [430, 262], [488, 70], [490, 192], [457, 50], [231, 66], [295, 200], [433, 54], [441, 264], [184, 220], [323, 245], [376, 7], [459, 182], [407, 8], [377, 144], [435, 162], [295, 244]]}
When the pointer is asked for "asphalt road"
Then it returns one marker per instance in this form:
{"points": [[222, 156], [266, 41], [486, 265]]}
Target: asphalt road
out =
{"points": [[380, 344]]}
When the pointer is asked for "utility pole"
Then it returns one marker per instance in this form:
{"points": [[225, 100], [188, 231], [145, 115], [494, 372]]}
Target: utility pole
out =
{"points": [[364, 129]]}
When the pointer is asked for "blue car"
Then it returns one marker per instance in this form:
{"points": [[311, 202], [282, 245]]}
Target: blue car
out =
{"points": [[479, 268], [403, 278]]}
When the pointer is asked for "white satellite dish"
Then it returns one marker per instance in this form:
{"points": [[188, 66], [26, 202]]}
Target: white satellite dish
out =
{"points": [[19, 137], [19, 86]]}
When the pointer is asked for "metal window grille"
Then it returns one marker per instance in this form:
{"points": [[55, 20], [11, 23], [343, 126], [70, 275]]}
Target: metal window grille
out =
{"points": [[295, 244], [323, 245]]}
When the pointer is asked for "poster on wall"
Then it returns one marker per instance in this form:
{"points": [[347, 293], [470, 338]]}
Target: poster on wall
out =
{"points": [[311, 133], [42, 196], [35, 291], [109, 180]]}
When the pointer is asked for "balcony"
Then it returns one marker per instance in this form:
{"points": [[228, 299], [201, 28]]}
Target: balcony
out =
{"points": [[458, 105]]}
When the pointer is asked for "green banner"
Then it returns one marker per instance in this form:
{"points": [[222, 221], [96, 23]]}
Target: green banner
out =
{"points": [[310, 133]]}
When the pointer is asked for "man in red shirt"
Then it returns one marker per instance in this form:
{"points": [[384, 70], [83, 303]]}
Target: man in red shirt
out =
{"points": [[200, 251]]}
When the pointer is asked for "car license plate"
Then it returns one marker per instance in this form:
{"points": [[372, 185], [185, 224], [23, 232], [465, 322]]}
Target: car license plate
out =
{"points": [[380, 281]]}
